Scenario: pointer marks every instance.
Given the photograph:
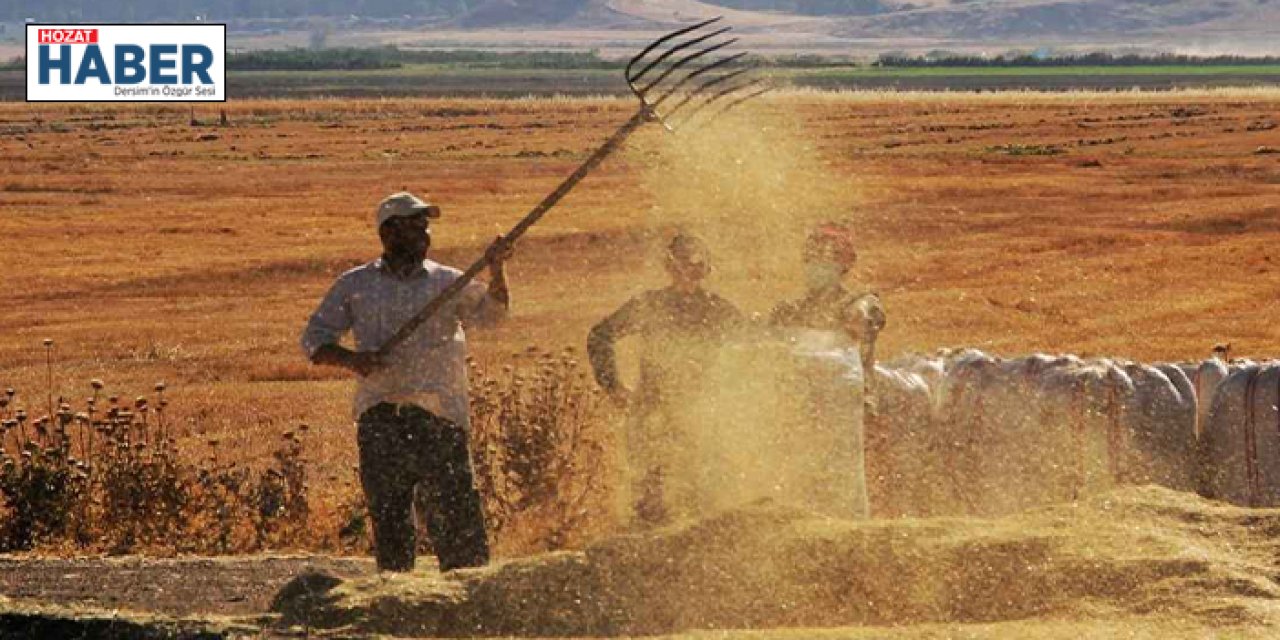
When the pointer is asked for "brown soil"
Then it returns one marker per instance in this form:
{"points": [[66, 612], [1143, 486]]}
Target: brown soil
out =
{"points": [[233, 586]]}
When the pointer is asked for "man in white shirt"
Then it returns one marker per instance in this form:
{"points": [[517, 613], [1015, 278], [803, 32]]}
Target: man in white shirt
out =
{"points": [[411, 405]]}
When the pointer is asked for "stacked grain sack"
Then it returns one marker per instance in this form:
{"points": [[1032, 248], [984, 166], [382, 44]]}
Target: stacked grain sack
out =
{"points": [[974, 434], [991, 435], [903, 456], [1240, 435]]}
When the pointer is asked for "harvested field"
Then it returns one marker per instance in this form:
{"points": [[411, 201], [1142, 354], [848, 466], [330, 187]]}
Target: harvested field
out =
{"points": [[151, 246], [449, 81], [1128, 225]]}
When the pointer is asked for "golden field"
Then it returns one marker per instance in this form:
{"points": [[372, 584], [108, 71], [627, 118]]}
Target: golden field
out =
{"points": [[149, 247]]}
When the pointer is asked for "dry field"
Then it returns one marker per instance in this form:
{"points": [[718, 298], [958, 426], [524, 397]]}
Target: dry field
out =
{"points": [[1136, 225], [149, 247]]}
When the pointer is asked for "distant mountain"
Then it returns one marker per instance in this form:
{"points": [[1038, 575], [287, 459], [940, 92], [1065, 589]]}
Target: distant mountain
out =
{"points": [[609, 13], [1072, 18], [1171, 23], [886, 19], [814, 7], [521, 12]]}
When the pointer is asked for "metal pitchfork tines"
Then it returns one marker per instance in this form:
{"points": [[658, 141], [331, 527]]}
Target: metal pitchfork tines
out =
{"points": [[682, 76], [688, 72]]}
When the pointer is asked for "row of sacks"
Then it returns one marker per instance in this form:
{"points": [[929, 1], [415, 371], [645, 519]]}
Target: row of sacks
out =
{"points": [[969, 433]]}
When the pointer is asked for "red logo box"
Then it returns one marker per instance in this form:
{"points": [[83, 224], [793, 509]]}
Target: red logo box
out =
{"points": [[68, 36]]}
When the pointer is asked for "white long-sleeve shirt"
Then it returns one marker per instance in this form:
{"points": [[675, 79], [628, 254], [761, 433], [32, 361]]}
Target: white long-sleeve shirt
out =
{"points": [[429, 368]]}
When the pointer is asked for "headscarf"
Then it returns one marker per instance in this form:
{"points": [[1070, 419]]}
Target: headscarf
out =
{"points": [[832, 241]]}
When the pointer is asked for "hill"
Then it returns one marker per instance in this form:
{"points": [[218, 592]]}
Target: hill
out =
{"points": [[1032, 18], [1208, 26], [1223, 25], [595, 14]]}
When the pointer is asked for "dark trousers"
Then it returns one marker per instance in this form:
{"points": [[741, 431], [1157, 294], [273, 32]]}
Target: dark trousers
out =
{"points": [[403, 447]]}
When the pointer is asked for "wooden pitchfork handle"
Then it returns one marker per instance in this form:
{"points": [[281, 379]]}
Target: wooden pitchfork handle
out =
{"points": [[717, 81], [642, 115]]}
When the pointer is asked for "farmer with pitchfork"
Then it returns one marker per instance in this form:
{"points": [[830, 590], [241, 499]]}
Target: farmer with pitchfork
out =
{"points": [[411, 404]]}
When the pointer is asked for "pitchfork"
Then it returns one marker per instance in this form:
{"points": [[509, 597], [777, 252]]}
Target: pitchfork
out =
{"points": [[682, 74]]}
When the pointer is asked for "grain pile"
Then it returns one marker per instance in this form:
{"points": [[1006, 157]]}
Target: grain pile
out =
{"points": [[1141, 554]]}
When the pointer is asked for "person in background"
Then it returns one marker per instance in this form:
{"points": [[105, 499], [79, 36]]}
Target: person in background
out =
{"points": [[679, 328], [830, 444], [828, 257]]}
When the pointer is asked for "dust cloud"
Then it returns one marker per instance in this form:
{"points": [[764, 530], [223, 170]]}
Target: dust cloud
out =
{"points": [[768, 413], [752, 185]]}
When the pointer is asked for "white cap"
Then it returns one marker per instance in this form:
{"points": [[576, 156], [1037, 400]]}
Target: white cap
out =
{"points": [[404, 204]]}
